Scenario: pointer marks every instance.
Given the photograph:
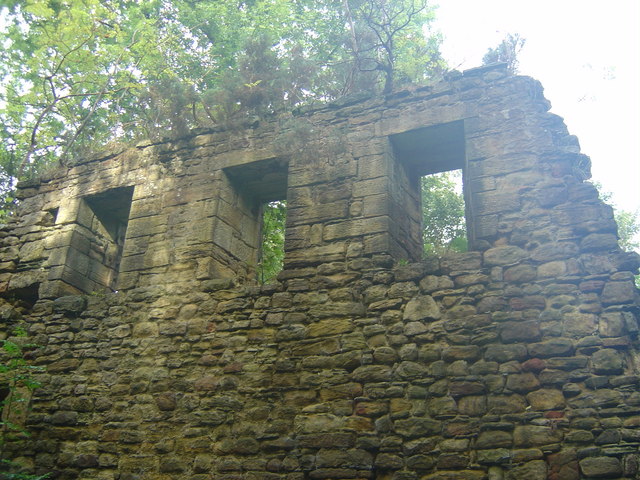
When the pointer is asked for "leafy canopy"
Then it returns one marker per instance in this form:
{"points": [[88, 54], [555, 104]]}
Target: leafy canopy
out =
{"points": [[444, 227], [274, 216], [78, 74], [18, 380], [506, 51]]}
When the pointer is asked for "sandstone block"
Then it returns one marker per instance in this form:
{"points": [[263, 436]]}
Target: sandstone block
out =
{"points": [[599, 241], [612, 324], [534, 470], [552, 269], [520, 274], [422, 307], [467, 262], [512, 332], [411, 370], [494, 439], [618, 293], [462, 352], [473, 405], [494, 456], [603, 397], [372, 373], [504, 255], [522, 382], [72, 304], [417, 427], [462, 388], [601, 467], [555, 347], [533, 435], [329, 327], [546, 399], [579, 324], [549, 252], [505, 353], [607, 362]]}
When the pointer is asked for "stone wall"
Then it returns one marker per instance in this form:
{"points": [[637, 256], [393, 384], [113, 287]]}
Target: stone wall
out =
{"points": [[516, 360]]}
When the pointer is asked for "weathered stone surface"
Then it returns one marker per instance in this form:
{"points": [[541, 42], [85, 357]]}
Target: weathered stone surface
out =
{"points": [[618, 292], [422, 307], [579, 324], [601, 467], [462, 388], [554, 251], [546, 399], [535, 470], [494, 439], [607, 361], [417, 427], [505, 255], [505, 353], [466, 352], [522, 382], [372, 373], [556, 347], [73, 304], [599, 241], [511, 332], [515, 360], [531, 436]]}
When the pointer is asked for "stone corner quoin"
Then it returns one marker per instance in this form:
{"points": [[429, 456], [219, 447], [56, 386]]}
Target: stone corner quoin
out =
{"points": [[136, 274]]}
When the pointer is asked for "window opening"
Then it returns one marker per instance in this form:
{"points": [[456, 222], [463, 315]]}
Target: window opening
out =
{"points": [[97, 244], [271, 254], [111, 217], [432, 161], [256, 214], [443, 213]]}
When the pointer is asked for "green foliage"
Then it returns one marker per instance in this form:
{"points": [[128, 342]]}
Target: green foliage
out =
{"points": [[628, 229], [388, 37], [628, 222], [507, 51], [628, 225], [628, 232], [443, 217], [17, 379], [77, 74], [20, 476], [443, 214], [274, 218]]}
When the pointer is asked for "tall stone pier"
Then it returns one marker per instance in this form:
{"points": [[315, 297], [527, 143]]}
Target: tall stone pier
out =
{"points": [[164, 358]]}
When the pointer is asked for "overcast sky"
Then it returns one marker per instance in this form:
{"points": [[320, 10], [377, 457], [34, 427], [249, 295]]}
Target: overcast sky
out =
{"points": [[586, 53]]}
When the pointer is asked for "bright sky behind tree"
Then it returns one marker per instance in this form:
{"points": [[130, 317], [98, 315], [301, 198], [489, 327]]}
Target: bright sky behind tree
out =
{"points": [[586, 53]]}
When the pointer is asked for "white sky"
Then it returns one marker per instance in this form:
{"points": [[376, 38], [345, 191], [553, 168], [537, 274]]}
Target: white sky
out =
{"points": [[586, 53]]}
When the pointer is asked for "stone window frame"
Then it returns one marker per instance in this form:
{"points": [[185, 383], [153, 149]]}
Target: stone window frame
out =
{"points": [[429, 150], [255, 184]]}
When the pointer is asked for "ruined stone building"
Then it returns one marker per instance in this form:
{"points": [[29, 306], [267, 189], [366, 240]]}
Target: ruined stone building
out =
{"points": [[165, 359]]}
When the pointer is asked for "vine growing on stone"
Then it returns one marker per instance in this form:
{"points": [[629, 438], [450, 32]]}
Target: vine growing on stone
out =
{"points": [[17, 382]]}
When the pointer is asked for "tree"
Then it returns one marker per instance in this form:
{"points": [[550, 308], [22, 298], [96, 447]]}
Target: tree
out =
{"points": [[628, 222], [628, 225], [507, 51], [17, 382], [272, 247], [444, 228], [78, 74], [386, 35], [628, 229]]}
